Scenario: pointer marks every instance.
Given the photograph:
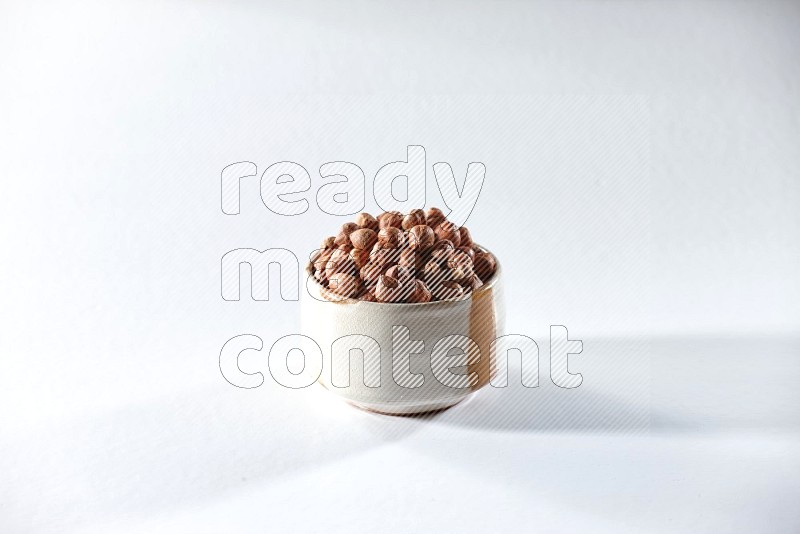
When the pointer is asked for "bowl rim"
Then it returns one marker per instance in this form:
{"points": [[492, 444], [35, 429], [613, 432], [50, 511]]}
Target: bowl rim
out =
{"points": [[384, 305]]}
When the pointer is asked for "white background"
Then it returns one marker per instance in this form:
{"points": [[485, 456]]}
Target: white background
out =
{"points": [[642, 188]]}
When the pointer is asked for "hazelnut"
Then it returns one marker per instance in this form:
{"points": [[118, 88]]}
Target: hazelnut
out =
{"points": [[349, 227], [341, 239], [434, 273], [421, 292], [322, 259], [466, 237], [365, 220], [399, 273], [442, 255], [434, 216], [449, 231], [460, 266], [393, 219], [370, 272], [468, 251], [363, 238], [419, 257], [390, 237], [421, 237], [473, 283], [389, 289], [484, 265], [340, 261], [385, 256], [360, 257], [414, 218], [368, 296], [447, 290], [443, 243], [410, 259], [343, 284]]}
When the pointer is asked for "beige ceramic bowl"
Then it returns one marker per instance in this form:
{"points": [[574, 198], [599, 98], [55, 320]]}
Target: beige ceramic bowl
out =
{"points": [[405, 358]]}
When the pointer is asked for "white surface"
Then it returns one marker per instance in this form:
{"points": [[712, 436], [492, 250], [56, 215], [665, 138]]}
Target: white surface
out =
{"points": [[646, 151]]}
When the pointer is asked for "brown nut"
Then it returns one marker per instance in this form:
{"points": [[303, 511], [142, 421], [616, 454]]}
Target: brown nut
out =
{"points": [[447, 290], [328, 242], [322, 259], [414, 218], [434, 273], [421, 237], [468, 251], [399, 273], [343, 238], [484, 265], [390, 237], [387, 219], [466, 237], [460, 266], [343, 284], [382, 256], [442, 255], [368, 296], [391, 290], [370, 272], [443, 243], [340, 261], [410, 259], [434, 216], [421, 293], [363, 238], [365, 220], [360, 257], [473, 283], [449, 231]]}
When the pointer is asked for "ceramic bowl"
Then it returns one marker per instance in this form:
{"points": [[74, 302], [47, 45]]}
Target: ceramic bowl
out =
{"points": [[405, 358]]}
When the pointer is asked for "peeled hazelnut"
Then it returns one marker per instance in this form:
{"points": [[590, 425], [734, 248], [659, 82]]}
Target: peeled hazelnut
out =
{"points": [[360, 257], [363, 238], [328, 242], [365, 220], [466, 237], [449, 231], [468, 251], [421, 292], [414, 218], [484, 265], [434, 216], [421, 237], [447, 290], [343, 284], [390, 237], [391, 290], [393, 219]]}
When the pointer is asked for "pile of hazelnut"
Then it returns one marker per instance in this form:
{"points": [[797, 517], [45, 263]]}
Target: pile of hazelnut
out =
{"points": [[419, 257]]}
